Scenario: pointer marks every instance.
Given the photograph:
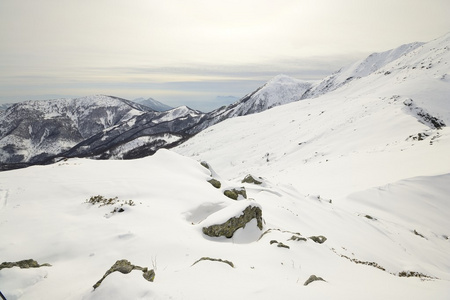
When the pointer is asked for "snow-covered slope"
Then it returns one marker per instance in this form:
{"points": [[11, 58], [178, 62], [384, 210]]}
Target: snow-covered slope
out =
{"points": [[384, 122], [153, 104], [352, 186], [371, 239], [279, 90], [358, 69]]}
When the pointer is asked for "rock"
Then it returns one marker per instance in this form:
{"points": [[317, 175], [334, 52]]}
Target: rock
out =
{"points": [[318, 239], [313, 278], [215, 183], [124, 266], [149, 275], [234, 193], [281, 245], [205, 164], [297, 238], [416, 233], [215, 259], [228, 228], [249, 179], [23, 264], [413, 274]]}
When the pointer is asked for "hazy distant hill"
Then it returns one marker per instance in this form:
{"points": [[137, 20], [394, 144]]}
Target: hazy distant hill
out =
{"points": [[153, 104]]}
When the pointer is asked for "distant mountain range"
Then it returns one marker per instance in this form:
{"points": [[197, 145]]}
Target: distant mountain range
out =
{"points": [[107, 127], [4, 106], [153, 104]]}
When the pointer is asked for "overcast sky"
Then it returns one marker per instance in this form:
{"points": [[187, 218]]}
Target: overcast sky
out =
{"points": [[191, 51]]}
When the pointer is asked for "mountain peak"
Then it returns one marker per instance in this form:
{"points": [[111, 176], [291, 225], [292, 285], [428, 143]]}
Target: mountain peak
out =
{"points": [[153, 104]]}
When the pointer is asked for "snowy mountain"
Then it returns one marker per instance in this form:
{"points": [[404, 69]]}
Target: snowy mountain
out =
{"points": [[33, 131], [40, 132], [347, 198], [279, 90], [97, 126], [153, 104], [358, 69], [144, 134], [401, 108], [5, 106], [139, 136]]}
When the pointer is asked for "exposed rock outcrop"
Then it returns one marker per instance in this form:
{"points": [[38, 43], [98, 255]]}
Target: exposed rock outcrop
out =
{"points": [[215, 259], [318, 239], [228, 228], [279, 244], [250, 179], [215, 183], [313, 278], [297, 238], [124, 266], [23, 264], [234, 193]]}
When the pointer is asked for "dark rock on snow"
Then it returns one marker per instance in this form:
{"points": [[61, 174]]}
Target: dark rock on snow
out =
{"points": [[228, 228], [23, 264], [124, 266], [234, 193], [313, 278]]}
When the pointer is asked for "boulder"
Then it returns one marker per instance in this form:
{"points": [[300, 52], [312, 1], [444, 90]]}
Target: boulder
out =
{"points": [[228, 228], [234, 193], [313, 278], [215, 183], [318, 239], [250, 179], [297, 238]]}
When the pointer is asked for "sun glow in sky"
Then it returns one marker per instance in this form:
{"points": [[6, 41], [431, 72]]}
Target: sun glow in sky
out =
{"points": [[189, 52]]}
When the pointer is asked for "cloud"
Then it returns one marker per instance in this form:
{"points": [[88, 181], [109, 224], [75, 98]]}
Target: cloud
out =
{"points": [[167, 48]]}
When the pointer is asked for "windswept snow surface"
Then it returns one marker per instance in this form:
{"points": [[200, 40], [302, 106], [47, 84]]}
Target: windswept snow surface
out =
{"points": [[44, 216]]}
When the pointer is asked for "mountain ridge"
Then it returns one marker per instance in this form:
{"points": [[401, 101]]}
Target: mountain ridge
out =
{"points": [[179, 124], [153, 104]]}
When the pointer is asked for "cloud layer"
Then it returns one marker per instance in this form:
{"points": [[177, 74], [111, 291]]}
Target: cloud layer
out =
{"points": [[188, 51]]}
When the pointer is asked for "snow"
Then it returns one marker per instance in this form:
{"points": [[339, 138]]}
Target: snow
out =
{"points": [[179, 112], [80, 117], [344, 165], [361, 68], [144, 140], [44, 216], [280, 90], [153, 104]]}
